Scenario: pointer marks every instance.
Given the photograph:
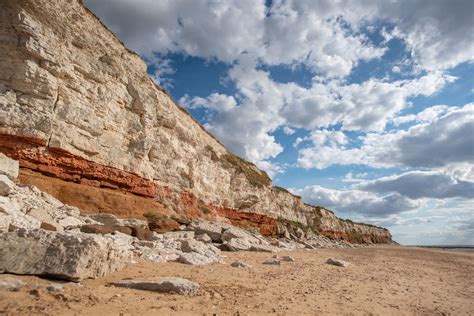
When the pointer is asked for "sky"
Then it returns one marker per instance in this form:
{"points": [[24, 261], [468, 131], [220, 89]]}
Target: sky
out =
{"points": [[363, 107]]}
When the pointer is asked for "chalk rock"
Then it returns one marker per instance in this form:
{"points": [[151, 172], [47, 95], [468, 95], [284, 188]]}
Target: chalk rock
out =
{"points": [[236, 232], [6, 185], [237, 244], [204, 238], [11, 284], [212, 229], [272, 261], [8, 167], [162, 285], [337, 262], [199, 247], [179, 235], [195, 259], [264, 248], [65, 256], [238, 264]]}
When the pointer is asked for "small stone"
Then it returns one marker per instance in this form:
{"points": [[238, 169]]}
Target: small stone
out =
{"points": [[56, 288], [238, 264], [48, 226], [337, 262], [287, 258], [163, 285], [272, 261], [11, 284]]}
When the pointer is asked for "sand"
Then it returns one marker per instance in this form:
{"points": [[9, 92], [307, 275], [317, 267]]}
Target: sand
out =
{"points": [[380, 280]]}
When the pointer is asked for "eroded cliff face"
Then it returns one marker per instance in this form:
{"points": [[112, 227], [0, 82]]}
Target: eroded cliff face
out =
{"points": [[88, 125]]}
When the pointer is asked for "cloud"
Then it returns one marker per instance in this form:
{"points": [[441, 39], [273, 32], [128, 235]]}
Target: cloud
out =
{"points": [[436, 142], [356, 201], [323, 35], [421, 184]]}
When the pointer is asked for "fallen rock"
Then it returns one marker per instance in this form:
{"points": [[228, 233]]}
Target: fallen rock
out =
{"points": [[237, 244], [141, 233], [6, 185], [11, 284], [204, 238], [272, 261], [61, 255], [263, 248], [212, 229], [238, 264], [195, 259], [199, 247], [287, 258], [163, 225], [337, 262], [9, 167], [236, 232], [162, 285], [180, 235], [105, 229]]}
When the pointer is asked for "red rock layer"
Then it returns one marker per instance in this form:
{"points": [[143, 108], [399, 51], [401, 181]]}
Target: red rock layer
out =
{"points": [[95, 188], [34, 155], [268, 225]]}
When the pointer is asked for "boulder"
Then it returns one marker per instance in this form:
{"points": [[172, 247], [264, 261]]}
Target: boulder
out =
{"points": [[212, 229], [60, 255], [236, 232], [237, 244], [195, 259], [204, 249], [163, 225], [337, 262], [162, 285], [106, 219], [105, 229], [142, 233], [6, 185], [9, 167]]}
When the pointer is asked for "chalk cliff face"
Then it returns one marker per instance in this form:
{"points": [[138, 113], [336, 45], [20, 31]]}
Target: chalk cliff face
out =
{"points": [[89, 126]]}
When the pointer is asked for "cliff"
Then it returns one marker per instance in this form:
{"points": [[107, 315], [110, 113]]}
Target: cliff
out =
{"points": [[89, 126]]}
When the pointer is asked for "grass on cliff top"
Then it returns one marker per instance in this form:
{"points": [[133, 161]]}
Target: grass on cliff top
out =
{"points": [[255, 176]]}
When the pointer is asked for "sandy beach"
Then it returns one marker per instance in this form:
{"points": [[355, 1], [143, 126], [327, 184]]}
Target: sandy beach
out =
{"points": [[380, 281]]}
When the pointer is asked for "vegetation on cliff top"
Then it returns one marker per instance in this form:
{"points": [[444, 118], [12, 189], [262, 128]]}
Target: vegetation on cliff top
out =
{"points": [[255, 176]]}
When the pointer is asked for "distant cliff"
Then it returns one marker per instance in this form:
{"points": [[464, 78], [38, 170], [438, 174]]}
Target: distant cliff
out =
{"points": [[89, 126]]}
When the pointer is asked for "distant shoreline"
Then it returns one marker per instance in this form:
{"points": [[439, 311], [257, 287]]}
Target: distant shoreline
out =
{"points": [[451, 247]]}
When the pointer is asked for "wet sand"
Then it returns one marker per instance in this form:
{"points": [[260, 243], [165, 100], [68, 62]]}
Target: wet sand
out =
{"points": [[380, 281]]}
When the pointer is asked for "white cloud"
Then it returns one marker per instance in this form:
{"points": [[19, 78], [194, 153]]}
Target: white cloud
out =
{"points": [[356, 201], [421, 184], [433, 143]]}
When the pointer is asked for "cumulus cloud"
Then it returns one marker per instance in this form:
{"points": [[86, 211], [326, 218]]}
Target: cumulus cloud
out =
{"points": [[421, 184], [432, 143], [356, 201]]}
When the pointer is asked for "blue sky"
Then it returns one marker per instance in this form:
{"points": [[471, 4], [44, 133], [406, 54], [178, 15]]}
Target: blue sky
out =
{"points": [[366, 108]]}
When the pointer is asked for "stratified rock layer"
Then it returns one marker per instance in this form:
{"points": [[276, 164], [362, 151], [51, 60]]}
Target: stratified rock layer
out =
{"points": [[79, 110]]}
